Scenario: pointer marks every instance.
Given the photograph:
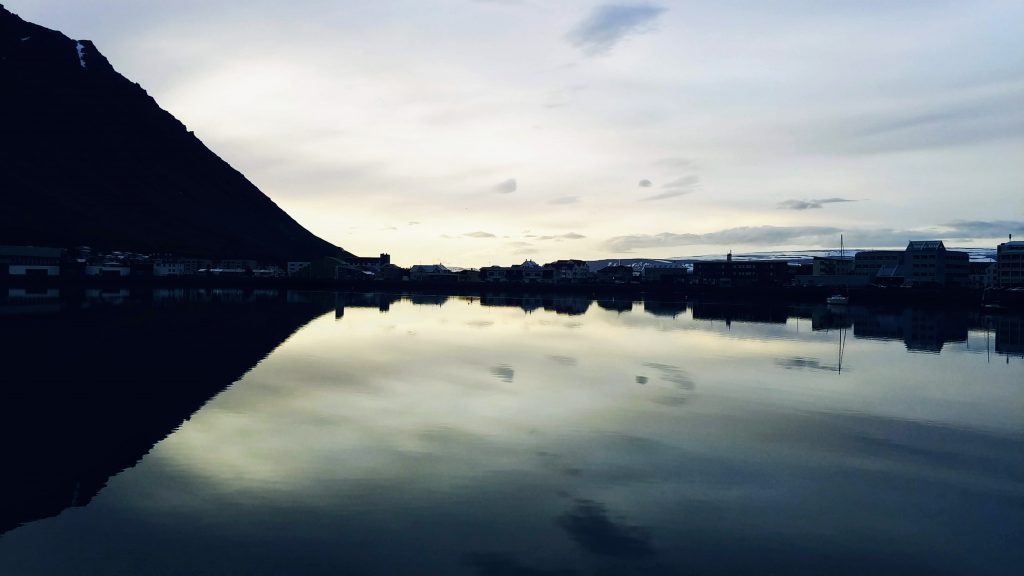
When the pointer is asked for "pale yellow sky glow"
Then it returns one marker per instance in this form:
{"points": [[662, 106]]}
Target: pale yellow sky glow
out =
{"points": [[397, 126]]}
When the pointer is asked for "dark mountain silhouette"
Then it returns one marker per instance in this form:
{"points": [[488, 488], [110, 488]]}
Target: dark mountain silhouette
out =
{"points": [[89, 390], [88, 157]]}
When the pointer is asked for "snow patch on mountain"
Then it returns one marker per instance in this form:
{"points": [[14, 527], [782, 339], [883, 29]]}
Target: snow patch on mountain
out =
{"points": [[80, 48]]}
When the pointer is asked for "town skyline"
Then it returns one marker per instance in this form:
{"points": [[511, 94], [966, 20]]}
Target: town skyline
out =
{"points": [[592, 130]]}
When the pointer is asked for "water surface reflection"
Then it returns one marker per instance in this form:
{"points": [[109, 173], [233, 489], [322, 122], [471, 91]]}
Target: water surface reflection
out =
{"points": [[550, 435]]}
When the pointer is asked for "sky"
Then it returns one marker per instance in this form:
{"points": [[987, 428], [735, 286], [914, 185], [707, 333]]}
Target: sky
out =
{"points": [[478, 132]]}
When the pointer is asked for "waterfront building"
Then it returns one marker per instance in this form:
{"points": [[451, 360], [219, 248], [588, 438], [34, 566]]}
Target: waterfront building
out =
{"points": [[296, 268], [371, 263], [731, 272], [1010, 264], [922, 263], [569, 271], [982, 275], [533, 273], [615, 274], [664, 274], [498, 274], [881, 266], [529, 272], [29, 261], [431, 273], [832, 265], [108, 269], [927, 262], [238, 264]]}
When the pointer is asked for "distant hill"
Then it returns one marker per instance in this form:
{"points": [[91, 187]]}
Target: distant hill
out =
{"points": [[975, 254], [88, 157]]}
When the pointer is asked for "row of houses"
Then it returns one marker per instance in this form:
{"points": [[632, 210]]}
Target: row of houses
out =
{"points": [[33, 261], [922, 263], [557, 272]]}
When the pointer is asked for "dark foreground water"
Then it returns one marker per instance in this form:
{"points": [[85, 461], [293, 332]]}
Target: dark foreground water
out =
{"points": [[373, 434]]}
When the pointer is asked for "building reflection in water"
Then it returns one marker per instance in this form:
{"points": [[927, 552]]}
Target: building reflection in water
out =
{"points": [[96, 378]]}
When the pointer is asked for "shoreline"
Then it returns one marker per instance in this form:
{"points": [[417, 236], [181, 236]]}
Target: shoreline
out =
{"points": [[924, 296]]}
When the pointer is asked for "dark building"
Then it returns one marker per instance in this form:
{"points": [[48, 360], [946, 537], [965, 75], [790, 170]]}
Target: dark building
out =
{"points": [[569, 271], [616, 274], [878, 264], [1010, 264], [982, 274], [731, 272], [927, 262], [923, 263], [368, 261], [29, 261], [665, 274]]}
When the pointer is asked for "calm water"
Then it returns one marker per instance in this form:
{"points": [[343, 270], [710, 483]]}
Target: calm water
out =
{"points": [[372, 434]]}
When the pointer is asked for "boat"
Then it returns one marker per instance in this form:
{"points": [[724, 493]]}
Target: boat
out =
{"points": [[837, 299]]}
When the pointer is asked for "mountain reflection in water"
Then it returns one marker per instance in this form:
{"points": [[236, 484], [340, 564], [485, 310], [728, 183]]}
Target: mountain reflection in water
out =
{"points": [[219, 432]]}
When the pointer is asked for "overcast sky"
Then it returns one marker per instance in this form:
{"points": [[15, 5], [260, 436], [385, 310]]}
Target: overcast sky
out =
{"points": [[476, 132]]}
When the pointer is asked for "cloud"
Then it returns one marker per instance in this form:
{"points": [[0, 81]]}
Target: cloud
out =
{"points": [[563, 360], [970, 119], [645, 183], [967, 229], [507, 187], [479, 234], [564, 200], [769, 237], [609, 24], [568, 236], [799, 362], [503, 372], [673, 374], [414, 223], [682, 182], [590, 527], [667, 194], [678, 187], [809, 204]]}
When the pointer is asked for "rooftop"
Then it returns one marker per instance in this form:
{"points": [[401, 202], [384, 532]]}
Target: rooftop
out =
{"points": [[926, 245], [32, 251]]}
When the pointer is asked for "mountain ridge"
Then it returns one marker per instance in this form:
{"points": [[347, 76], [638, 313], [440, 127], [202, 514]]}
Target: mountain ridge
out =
{"points": [[90, 158]]}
